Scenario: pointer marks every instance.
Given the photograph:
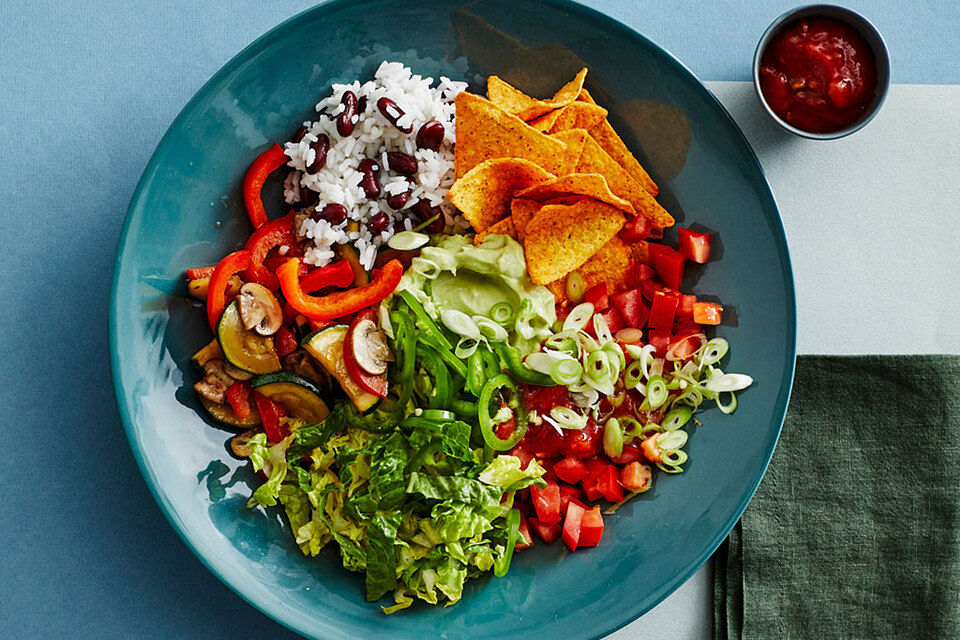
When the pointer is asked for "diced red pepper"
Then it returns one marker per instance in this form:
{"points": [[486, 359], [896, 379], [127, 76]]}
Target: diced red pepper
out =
{"points": [[571, 526], [608, 483], [613, 319], [597, 295], [546, 502], [570, 470], [377, 385], [231, 265], [634, 476], [694, 245], [238, 395], [660, 339], [685, 306], [270, 235], [549, 533], [629, 454], [662, 310], [636, 229], [265, 164], [595, 468], [270, 414], [668, 263], [591, 528], [642, 272], [650, 448], [336, 274], [651, 287], [197, 273], [525, 541], [284, 342], [569, 494], [703, 312], [340, 303], [631, 306]]}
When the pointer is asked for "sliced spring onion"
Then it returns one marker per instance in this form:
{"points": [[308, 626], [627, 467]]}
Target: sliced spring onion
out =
{"points": [[576, 287], [612, 438], [631, 428], [502, 313], [630, 335], [578, 317], [585, 399], [385, 323], [437, 415], [466, 347], [720, 382], [601, 329], [656, 368], [542, 361], [522, 325], [656, 391], [587, 342], [568, 418], [613, 350], [670, 461], [407, 240], [490, 329], [426, 268], [672, 439], [460, 323], [713, 351], [729, 407], [645, 357], [672, 349], [597, 367], [566, 371], [690, 397], [677, 417]]}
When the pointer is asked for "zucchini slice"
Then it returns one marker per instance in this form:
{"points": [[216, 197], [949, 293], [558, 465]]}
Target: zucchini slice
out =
{"points": [[326, 346], [244, 349], [208, 353], [224, 413], [300, 396]]}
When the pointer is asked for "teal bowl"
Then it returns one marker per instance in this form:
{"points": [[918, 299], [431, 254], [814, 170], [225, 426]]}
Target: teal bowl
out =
{"points": [[186, 212]]}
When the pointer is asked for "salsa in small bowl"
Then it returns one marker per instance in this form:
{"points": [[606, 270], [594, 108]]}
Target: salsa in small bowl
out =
{"points": [[821, 71]]}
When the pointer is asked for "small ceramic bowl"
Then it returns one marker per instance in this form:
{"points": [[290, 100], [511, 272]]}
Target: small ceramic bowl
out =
{"points": [[869, 33]]}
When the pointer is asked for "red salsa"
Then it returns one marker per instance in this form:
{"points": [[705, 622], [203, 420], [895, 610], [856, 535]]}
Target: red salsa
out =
{"points": [[818, 74]]}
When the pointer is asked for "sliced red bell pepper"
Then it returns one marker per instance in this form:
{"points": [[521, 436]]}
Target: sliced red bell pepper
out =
{"points": [[662, 311], [694, 245], [377, 385], [546, 502], [265, 164], [549, 533], [632, 307], [197, 273], [336, 274], [284, 342], [231, 265], [651, 286], [238, 395], [685, 306], [570, 470], [629, 454], [571, 526], [272, 234], [608, 483], [569, 494], [591, 528], [636, 229], [270, 414], [614, 320], [597, 295], [317, 325], [642, 272], [275, 262], [660, 339], [704, 312], [340, 303], [668, 263]]}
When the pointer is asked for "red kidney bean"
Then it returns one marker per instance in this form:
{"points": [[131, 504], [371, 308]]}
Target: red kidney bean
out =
{"points": [[370, 180], [320, 148], [397, 200], [308, 197], [425, 211], [392, 113], [402, 163], [346, 119], [298, 134], [378, 223], [430, 136], [333, 213], [362, 105], [398, 226]]}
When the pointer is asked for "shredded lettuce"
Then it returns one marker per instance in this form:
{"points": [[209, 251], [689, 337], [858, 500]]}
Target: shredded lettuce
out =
{"points": [[504, 472]]}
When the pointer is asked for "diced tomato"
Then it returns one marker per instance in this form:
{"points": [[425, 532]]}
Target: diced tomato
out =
{"points": [[284, 342], [660, 339], [608, 483], [642, 272], [595, 468], [707, 313], [631, 306], [650, 448], [668, 263], [571, 526], [590, 488], [526, 540], [614, 320], [629, 454], [694, 245], [238, 395], [651, 287], [570, 470], [524, 455], [662, 310], [549, 533], [569, 494], [685, 306], [270, 413], [546, 502], [635, 476], [591, 528], [597, 295], [636, 229], [505, 429]]}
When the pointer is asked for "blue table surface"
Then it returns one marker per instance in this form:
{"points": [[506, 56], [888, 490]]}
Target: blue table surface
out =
{"points": [[86, 92]]}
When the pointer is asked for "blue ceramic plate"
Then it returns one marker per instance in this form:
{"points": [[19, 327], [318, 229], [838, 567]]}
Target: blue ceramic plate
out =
{"points": [[187, 212]]}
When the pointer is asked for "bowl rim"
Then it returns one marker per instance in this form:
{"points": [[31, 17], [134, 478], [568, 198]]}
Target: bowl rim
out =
{"points": [[867, 30], [276, 609]]}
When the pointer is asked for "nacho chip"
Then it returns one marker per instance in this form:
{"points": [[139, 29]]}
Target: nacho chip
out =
{"points": [[486, 131], [485, 192], [593, 159], [610, 265], [578, 115], [590, 185], [574, 140], [504, 227], [561, 237], [545, 122], [517, 103], [522, 211], [571, 91]]}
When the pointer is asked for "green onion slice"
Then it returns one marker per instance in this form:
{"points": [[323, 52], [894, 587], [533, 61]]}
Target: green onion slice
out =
{"points": [[602, 329], [567, 418], [721, 382], [576, 287], [613, 350], [490, 329], [466, 347], [502, 313], [612, 438], [407, 240], [713, 351], [578, 317], [426, 223], [656, 391], [566, 371], [460, 323], [672, 439], [672, 349], [731, 406], [677, 417]]}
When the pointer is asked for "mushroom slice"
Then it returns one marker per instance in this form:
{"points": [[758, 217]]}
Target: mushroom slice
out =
{"points": [[215, 382], [240, 443], [370, 348], [236, 373], [259, 309]]}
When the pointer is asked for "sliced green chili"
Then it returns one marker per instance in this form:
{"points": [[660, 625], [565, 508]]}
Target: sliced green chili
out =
{"points": [[519, 371], [502, 564], [487, 425], [439, 396]]}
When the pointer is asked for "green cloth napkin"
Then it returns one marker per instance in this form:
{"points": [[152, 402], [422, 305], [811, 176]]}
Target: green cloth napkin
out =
{"points": [[855, 531]]}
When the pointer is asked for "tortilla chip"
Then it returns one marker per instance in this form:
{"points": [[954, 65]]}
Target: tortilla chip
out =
{"points": [[561, 237], [522, 211], [559, 290], [578, 115], [517, 103], [485, 131], [504, 227], [574, 140], [593, 159], [545, 122], [571, 91], [590, 185], [485, 192], [610, 265]]}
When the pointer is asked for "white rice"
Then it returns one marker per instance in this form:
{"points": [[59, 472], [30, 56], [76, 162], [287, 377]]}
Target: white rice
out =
{"points": [[339, 180]]}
